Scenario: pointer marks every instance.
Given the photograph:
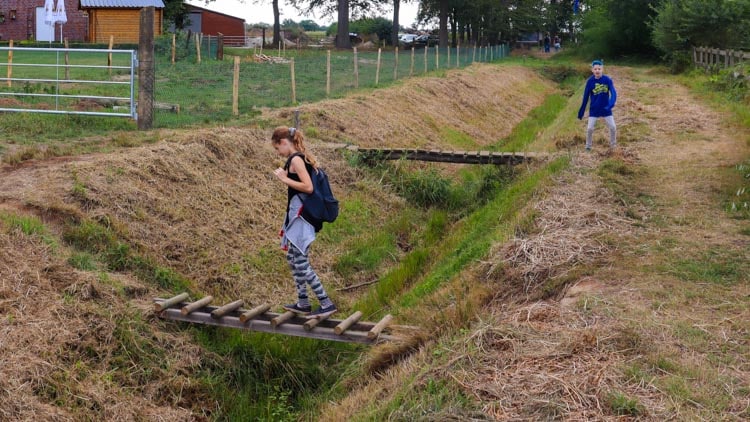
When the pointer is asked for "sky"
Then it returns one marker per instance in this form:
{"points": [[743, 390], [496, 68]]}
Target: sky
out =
{"points": [[263, 12]]}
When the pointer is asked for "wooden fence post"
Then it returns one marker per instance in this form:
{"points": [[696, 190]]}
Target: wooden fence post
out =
{"points": [[174, 46], [356, 69], [236, 87], [448, 58], [395, 64], [328, 73], [146, 74], [67, 59], [437, 57], [377, 68], [411, 67], [458, 55], [474, 54], [10, 62], [220, 47], [109, 56], [198, 48], [425, 58], [294, 83]]}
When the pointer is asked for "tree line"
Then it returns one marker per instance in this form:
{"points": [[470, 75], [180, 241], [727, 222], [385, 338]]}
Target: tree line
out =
{"points": [[603, 28]]}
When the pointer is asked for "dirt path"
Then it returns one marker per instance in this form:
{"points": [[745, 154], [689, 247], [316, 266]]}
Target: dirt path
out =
{"points": [[655, 323]]}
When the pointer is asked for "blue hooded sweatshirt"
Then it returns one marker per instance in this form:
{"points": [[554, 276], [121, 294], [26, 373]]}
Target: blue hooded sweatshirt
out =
{"points": [[603, 97]]}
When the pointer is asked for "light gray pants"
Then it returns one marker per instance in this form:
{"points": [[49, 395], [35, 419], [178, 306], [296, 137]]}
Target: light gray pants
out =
{"points": [[610, 121]]}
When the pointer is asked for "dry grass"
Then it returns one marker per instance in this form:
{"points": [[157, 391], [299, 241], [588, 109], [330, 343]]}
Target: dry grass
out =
{"points": [[205, 204]]}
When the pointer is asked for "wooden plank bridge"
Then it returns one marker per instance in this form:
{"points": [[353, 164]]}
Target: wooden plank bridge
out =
{"points": [[460, 157], [232, 315]]}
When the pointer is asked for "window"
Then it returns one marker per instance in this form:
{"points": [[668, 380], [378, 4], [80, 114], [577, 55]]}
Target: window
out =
{"points": [[2, 17], [12, 15]]}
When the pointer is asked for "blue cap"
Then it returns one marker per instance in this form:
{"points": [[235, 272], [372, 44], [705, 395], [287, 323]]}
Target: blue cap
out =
{"points": [[597, 62]]}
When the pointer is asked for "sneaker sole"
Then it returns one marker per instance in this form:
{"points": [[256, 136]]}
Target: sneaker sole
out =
{"points": [[322, 316], [297, 311]]}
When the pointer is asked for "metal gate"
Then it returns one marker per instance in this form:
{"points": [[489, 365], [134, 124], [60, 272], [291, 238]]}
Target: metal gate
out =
{"points": [[69, 81]]}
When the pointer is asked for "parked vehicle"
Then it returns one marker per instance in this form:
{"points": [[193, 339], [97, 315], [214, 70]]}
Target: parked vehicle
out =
{"points": [[406, 40], [426, 41]]}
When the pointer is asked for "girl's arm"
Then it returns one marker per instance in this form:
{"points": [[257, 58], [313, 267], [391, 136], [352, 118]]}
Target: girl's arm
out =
{"points": [[298, 164]]}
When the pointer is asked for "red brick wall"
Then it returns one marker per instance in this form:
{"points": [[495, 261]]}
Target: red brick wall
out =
{"points": [[213, 23], [24, 26]]}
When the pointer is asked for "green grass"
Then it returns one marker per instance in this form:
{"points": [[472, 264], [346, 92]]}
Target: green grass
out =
{"points": [[29, 225], [535, 122], [716, 266]]}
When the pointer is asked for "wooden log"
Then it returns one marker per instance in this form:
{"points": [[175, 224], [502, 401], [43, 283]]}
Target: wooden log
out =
{"points": [[158, 307], [311, 323], [379, 327], [286, 316], [339, 329], [258, 310], [187, 309], [229, 307]]}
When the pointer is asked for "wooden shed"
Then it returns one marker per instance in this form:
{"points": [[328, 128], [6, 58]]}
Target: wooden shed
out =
{"points": [[119, 19]]}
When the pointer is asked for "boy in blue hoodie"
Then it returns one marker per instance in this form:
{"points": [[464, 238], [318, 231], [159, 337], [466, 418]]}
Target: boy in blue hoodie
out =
{"points": [[603, 97]]}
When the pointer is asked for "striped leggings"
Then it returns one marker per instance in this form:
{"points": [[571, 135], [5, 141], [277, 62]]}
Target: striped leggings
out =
{"points": [[303, 275]]}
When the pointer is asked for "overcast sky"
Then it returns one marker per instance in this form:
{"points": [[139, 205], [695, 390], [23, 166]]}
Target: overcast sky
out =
{"points": [[263, 12]]}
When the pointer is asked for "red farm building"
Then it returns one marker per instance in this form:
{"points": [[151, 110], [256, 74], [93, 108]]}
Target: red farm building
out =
{"points": [[209, 22]]}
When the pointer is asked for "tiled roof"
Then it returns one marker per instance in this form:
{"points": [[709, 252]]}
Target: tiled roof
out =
{"points": [[125, 4]]}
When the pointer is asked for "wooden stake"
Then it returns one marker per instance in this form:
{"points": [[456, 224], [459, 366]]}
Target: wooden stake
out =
{"points": [[109, 56], [377, 69], [328, 73], [10, 63], [356, 69], [437, 57], [198, 48], [67, 59], [158, 307], [378, 328], [294, 82], [174, 46], [425, 58], [229, 307], [395, 64], [411, 67], [343, 325], [286, 316], [188, 309], [256, 311], [448, 61], [236, 87]]}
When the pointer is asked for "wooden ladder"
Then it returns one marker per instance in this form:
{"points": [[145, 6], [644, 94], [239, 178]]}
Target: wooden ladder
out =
{"points": [[233, 315]]}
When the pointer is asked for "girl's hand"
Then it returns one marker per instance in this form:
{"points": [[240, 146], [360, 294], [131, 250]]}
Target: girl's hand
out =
{"points": [[280, 173]]}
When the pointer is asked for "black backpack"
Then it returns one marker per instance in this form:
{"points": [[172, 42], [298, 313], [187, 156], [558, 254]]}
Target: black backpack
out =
{"points": [[320, 206]]}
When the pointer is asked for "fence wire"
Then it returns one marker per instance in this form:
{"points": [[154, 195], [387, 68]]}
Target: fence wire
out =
{"points": [[202, 92]]}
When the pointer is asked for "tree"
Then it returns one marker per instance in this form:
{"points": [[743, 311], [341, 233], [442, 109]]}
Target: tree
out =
{"points": [[678, 26], [618, 28], [177, 13], [343, 9]]}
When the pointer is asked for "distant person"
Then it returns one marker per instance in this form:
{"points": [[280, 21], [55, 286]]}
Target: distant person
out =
{"points": [[557, 43], [546, 43], [601, 89], [297, 234]]}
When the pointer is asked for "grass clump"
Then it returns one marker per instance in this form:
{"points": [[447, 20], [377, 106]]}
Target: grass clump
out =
{"points": [[28, 225], [622, 405], [715, 266]]}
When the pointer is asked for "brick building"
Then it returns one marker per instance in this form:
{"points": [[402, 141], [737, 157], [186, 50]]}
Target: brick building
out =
{"points": [[24, 20]]}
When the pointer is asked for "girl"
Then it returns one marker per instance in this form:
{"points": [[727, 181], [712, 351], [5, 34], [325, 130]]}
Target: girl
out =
{"points": [[296, 233]]}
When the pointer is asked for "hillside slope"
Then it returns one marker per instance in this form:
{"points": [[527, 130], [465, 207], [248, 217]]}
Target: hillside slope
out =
{"points": [[87, 241]]}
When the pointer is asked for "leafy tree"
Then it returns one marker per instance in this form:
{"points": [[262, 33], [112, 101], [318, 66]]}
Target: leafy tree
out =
{"points": [[309, 25], [342, 9], [618, 28], [176, 12]]}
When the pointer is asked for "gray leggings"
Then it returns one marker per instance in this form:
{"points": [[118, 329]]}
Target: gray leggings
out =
{"points": [[610, 121], [303, 275]]}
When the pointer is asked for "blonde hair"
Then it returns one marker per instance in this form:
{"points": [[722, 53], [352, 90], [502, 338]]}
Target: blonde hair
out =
{"points": [[294, 136]]}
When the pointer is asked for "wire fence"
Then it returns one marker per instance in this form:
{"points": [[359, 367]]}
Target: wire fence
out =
{"points": [[191, 91]]}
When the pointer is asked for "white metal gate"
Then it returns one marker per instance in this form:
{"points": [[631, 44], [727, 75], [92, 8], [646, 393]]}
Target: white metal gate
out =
{"points": [[69, 81]]}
